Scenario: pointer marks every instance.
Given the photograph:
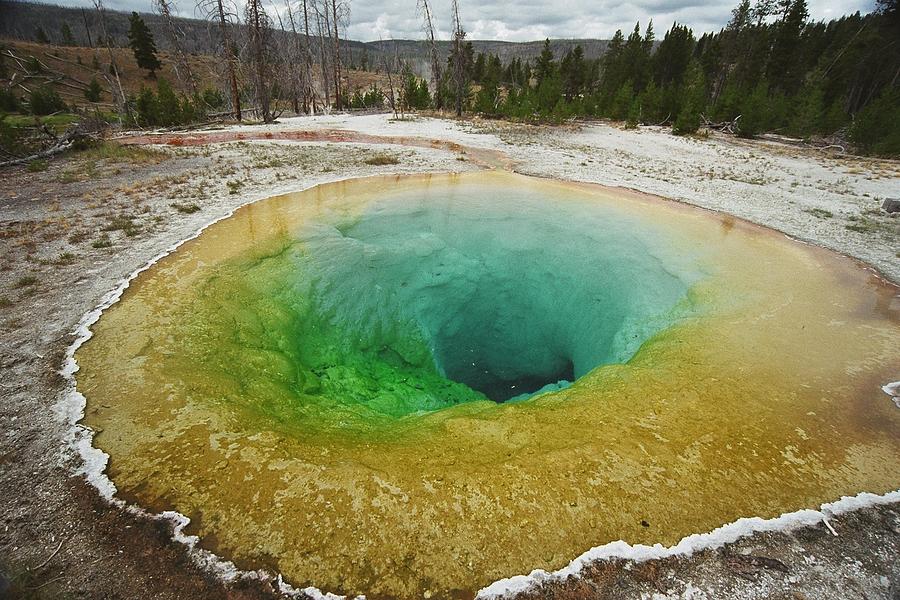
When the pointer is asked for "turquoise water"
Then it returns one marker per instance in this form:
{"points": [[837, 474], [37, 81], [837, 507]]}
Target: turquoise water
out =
{"points": [[325, 378], [436, 298]]}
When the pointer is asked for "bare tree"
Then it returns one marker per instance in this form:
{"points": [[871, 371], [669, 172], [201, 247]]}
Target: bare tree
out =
{"points": [[458, 63], [435, 61], [310, 96], [182, 68], [301, 79], [118, 91], [323, 30], [392, 98], [402, 101], [87, 28], [259, 28], [299, 82], [214, 10], [337, 56], [285, 55]]}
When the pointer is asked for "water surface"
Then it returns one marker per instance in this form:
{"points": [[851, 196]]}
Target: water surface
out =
{"points": [[406, 384]]}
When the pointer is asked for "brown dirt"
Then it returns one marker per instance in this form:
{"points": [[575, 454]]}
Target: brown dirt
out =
{"points": [[103, 552], [488, 159], [64, 59]]}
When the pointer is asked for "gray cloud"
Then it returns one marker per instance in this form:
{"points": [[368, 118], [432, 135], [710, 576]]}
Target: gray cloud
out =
{"points": [[530, 19]]}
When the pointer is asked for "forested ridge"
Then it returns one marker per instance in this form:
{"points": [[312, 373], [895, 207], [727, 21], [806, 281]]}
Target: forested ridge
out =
{"points": [[769, 70], [20, 21]]}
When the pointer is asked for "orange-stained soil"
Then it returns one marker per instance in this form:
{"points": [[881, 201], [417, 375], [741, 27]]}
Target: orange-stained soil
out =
{"points": [[491, 159]]}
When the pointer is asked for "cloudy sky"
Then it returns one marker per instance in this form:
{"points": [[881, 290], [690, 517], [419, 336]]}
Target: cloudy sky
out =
{"points": [[526, 20]]}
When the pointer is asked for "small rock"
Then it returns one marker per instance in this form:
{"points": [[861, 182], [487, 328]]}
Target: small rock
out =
{"points": [[891, 205]]}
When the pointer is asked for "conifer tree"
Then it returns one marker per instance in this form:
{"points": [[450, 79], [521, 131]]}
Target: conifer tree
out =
{"points": [[809, 112], [649, 103], [66, 33], [753, 111], [478, 68], [769, 69], [674, 55], [783, 63], [613, 71], [636, 57], [168, 104], [693, 96], [93, 92], [141, 42], [40, 36], [622, 100], [572, 72], [545, 66]]}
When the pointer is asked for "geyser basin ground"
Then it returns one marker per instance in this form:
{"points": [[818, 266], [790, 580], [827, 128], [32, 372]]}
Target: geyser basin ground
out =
{"points": [[319, 381]]}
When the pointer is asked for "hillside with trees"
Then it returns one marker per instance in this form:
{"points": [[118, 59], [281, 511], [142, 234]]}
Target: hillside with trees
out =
{"points": [[770, 69]]}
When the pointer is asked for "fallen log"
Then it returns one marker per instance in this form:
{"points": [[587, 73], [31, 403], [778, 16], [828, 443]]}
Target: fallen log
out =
{"points": [[62, 144]]}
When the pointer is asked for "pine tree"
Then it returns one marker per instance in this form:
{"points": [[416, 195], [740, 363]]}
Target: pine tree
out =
{"points": [[783, 64], [141, 42], [809, 111], [622, 101], [548, 94], [754, 111], [545, 66], [636, 57], [673, 55], [876, 129], [66, 33], [613, 69], [693, 97], [649, 102], [147, 107], [478, 68], [40, 36], [169, 107], [93, 92], [634, 114], [572, 72]]}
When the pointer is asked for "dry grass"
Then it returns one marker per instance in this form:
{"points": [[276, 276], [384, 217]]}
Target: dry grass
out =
{"points": [[185, 208], [118, 153], [78, 63], [382, 159]]}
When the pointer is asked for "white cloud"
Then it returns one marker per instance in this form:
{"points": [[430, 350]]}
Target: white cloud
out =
{"points": [[527, 20]]}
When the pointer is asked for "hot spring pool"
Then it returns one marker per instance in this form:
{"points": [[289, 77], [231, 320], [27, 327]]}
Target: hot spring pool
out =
{"points": [[400, 384]]}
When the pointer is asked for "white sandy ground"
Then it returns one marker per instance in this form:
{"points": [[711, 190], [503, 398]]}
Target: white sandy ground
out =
{"points": [[772, 185]]}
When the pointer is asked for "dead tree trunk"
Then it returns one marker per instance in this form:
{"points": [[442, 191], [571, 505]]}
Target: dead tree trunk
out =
{"points": [[296, 75], [182, 68], [217, 11], [87, 28], [309, 98], [337, 57], [392, 98], [324, 31], [257, 28], [118, 91], [458, 66], [402, 101], [435, 61]]}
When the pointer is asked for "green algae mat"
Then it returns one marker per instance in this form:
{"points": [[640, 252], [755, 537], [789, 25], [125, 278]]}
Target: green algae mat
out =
{"points": [[409, 386]]}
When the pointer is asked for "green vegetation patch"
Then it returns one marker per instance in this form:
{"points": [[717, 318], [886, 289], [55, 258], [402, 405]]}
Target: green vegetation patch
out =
{"points": [[382, 159]]}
